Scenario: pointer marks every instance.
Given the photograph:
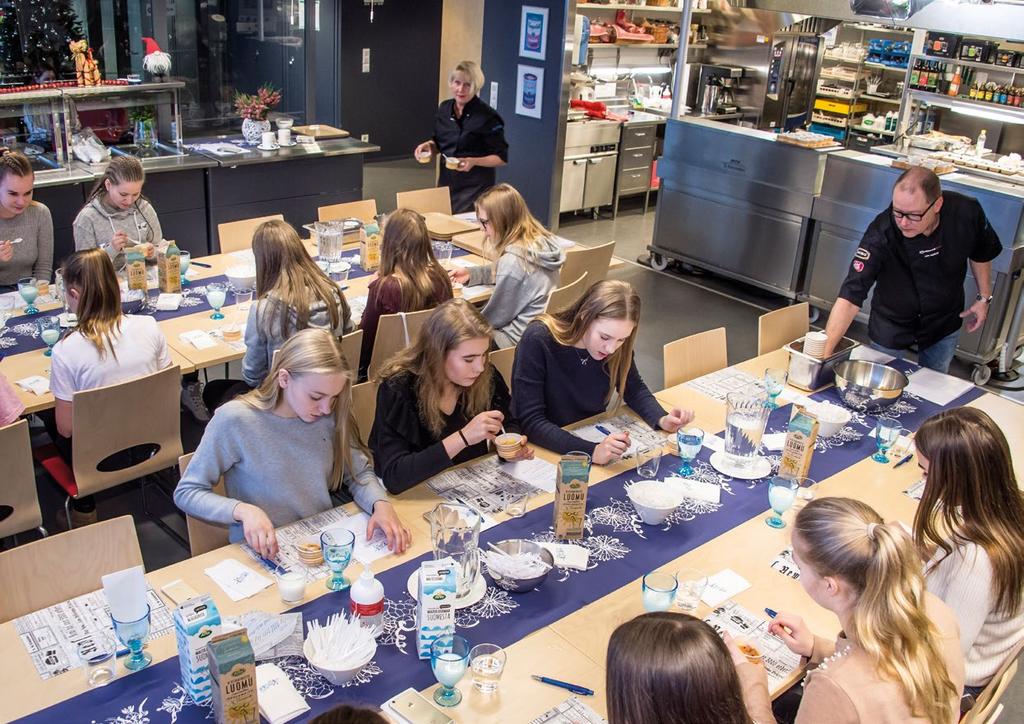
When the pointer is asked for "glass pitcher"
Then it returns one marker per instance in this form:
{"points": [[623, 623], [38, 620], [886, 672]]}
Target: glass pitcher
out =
{"points": [[745, 418], [329, 240], [455, 531]]}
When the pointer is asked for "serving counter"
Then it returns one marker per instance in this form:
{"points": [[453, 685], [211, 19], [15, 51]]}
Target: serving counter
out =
{"points": [[735, 201]]}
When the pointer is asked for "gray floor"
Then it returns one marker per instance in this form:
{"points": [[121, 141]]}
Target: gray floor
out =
{"points": [[676, 304]]}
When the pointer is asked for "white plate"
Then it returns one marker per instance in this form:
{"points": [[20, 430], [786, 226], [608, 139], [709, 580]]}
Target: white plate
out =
{"points": [[288, 145], [474, 597], [268, 148], [760, 469]]}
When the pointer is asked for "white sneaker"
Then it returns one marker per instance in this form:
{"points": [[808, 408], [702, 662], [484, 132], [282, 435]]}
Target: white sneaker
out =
{"points": [[192, 400]]}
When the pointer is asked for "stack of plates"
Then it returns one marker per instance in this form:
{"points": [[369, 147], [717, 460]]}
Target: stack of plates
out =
{"points": [[814, 344], [309, 552]]}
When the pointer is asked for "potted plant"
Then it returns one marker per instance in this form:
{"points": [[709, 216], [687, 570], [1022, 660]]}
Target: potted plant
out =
{"points": [[143, 121], [253, 108]]}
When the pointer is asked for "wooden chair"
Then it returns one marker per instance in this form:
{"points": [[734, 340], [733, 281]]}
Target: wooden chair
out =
{"points": [[202, 536], [694, 356], [502, 360], [395, 332], [426, 200], [563, 297], [54, 569], [779, 328], [19, 488], [365, 210], [364, 408], [351, 348], [237, 235], [987, 707], [593, 260]]}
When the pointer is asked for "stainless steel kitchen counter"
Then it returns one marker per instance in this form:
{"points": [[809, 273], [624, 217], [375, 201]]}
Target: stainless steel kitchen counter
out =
{"points": [[323, 149], [61, 177], [155, 164]]}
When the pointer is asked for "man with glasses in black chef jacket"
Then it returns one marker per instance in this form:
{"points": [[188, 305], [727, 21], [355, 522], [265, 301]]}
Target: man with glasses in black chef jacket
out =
{"points": [[915, 255]]}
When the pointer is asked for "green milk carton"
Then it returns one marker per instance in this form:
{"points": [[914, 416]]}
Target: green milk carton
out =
{"points": [[233, 675]]}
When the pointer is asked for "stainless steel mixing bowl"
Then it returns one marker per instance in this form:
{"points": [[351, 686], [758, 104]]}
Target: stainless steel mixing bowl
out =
{"points": [[521, 585], [869, 387]]}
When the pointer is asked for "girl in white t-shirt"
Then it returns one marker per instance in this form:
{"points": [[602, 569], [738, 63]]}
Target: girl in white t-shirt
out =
{"points": [[107, 346]]}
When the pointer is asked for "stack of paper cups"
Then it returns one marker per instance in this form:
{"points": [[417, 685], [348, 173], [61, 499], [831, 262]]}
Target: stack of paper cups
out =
{"points": [[814, 344]]}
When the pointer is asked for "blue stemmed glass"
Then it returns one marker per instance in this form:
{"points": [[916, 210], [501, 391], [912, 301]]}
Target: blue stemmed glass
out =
{"points": [[216, 295], [337, 545], [449, 659], [133, 635], [781, 495], [689, 440], [887, 432], [185, 260], [49, 331], [774, 383], [29, 291]]}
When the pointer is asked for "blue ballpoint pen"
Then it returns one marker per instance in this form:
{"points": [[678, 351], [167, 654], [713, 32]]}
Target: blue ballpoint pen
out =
{"points": [[574, 688], [603, 430], [771, 612]]}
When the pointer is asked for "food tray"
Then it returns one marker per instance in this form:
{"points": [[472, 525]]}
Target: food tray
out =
{"points": [[940, 169], [320, 131], [823, 143], [810, 373]]}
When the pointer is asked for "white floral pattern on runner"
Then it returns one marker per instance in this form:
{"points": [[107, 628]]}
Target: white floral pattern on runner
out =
{"points": [[619, 515], [8, 342], [399, 619], [495, 603], [25, 329], [129, 715]]}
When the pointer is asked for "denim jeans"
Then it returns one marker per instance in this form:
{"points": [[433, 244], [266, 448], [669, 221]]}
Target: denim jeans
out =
{"points": [[936, 357]]}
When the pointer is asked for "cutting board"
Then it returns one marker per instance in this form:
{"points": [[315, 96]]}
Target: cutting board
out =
{"points": [[442, 226], [320, 132]]}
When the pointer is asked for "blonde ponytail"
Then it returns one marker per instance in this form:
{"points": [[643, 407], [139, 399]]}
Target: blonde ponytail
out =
{"points": [[848, 539]]}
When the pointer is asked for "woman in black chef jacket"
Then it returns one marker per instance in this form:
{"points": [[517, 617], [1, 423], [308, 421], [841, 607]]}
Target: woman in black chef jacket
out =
{"points": [[470, 134]]}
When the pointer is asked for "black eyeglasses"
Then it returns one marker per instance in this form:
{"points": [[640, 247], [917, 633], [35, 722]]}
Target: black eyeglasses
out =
{"points": [[914, 217], [483, 222]]}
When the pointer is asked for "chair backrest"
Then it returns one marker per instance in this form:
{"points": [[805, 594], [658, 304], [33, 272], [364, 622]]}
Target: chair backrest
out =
{"points": [[779, 328], [59, 567], [563, 297], [364, 408], [426, 200], [365, 210], [19, 488], [146, 410], [693, 356], [395, 332], [502, 360], [593, 260], [237, 235], [202, 536], [986, 707], [351, 348]]}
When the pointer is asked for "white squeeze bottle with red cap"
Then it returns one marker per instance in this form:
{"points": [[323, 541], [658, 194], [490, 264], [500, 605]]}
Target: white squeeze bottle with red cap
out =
{"points": [[367, 600]]}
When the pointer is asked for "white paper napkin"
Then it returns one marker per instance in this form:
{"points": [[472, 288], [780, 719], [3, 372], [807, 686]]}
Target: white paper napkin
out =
{"points": [[774, 441], [237, 580], [568, 555], [168, 302], [126, 593], [198, 339], [279, 701], [722, 586], [36, 384]]}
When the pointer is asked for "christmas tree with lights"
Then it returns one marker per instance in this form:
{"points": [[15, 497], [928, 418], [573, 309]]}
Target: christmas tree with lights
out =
{"points": [[34, 37]]}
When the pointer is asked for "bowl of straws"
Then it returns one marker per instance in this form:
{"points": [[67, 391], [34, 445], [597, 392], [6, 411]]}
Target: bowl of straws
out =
{"points": [[517, 565], [340, 648]]}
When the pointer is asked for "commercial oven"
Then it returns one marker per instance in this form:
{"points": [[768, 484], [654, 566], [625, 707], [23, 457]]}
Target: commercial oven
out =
{"points": [[588, 167]]}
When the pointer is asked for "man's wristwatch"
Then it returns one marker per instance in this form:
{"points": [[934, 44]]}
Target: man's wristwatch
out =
{"points": [[980, 298]]}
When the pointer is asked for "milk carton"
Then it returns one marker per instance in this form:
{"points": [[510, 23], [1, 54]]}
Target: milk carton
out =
{"points": [[571, 496], [195, 621], [369, 248], [799, 446], [233, 675], [435, 615]]}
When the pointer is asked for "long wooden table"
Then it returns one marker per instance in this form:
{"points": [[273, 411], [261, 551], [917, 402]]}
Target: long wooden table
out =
{"points": [[574, 647]]}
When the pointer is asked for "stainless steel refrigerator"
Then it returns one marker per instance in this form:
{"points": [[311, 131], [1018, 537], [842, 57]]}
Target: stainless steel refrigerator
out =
{"points": [[792, 68]]}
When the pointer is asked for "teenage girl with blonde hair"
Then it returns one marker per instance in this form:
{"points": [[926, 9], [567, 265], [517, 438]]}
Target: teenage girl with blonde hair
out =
{"points": [[578, 363], [439, 401], [409, 278], [898, 656], [526, 260], [283, 448], [24, 219], [970, 527]]}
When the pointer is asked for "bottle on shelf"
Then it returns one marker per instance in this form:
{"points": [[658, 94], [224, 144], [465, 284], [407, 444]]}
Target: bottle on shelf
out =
{"points": [[954, 83], [979, 147], [915, 74]]}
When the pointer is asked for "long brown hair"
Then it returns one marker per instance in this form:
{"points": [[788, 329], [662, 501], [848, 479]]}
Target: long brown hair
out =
{"points": [[15, 163], [606, 299], [91, 273], [511, 222], [971, 496], [448, 326], [286, 272], [671, 668], [315, 352], [407, 257], [847, 538]]}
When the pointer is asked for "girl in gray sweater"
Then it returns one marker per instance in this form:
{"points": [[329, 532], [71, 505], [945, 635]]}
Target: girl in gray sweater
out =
{"points": [[24, 219], [281, 450], [527, 261]]}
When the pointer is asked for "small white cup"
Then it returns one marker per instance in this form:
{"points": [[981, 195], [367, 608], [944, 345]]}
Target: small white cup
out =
{"points": [[268, 139], [291, 586], [284, 136]]}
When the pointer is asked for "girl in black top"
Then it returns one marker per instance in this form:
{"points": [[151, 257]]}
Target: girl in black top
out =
{"points": [[439, 401]]}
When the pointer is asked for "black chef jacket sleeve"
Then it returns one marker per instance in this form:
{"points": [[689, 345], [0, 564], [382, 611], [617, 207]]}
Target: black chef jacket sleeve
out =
{"points": [[494, 138], [986, 245], [864, 267]]}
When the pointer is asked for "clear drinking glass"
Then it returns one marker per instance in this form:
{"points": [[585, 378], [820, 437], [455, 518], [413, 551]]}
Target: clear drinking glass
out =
{"points": [[29, 291], [6, 312], [690, 440], [517, 503], [804, 492], [487, 662], [775, 382], [659, 590], [691, 582], [49, 331], [442, 251], [186, 261], [133, 635], [329, 240], [887, 432], [745, 417], [99, 661], [449, 659], [648, 460], [781, 494], [337, 545], [216, 295], [455, 532], [243, 298]]}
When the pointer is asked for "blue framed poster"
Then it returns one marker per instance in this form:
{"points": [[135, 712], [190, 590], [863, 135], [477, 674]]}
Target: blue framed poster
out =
{"points": [[533, 32]]}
